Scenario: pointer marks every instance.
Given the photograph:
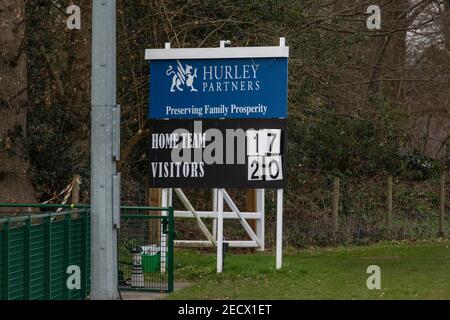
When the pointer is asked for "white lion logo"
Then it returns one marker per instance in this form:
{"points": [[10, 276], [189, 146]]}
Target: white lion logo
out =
{"points": [[182, 77]]}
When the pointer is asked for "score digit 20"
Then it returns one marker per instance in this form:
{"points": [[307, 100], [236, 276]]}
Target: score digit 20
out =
{"points": [[264, 158]]}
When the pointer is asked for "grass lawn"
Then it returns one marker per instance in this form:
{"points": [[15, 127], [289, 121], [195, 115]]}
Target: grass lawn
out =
{"points": [[408, 271]]}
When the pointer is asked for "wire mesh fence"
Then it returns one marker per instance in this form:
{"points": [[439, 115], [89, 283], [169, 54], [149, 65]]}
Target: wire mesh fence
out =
{"points": [[417, 207], [145, 249]]}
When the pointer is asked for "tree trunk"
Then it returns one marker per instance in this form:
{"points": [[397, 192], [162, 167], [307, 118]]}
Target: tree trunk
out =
{"points": [[390, 50], [15, 185], [80, 65]]}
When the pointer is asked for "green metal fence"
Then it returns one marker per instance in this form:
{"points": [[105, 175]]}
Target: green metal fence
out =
{"points": [[36, 249], [39, 243], [145, 245]]}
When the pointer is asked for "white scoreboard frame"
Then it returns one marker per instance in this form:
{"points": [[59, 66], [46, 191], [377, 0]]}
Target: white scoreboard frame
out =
{"points": [[220, 195]]}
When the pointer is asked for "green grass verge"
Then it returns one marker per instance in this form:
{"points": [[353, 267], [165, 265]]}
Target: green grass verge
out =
{"points": [[408, 271]]}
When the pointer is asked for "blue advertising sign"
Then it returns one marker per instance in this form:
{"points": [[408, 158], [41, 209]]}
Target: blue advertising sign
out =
{"points": [[236, 88]]}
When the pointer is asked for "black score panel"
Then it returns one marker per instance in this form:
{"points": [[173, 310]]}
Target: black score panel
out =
{"points": [[218, 153]]}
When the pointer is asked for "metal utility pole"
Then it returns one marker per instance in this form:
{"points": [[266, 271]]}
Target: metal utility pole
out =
{"points": [[105, 151]]}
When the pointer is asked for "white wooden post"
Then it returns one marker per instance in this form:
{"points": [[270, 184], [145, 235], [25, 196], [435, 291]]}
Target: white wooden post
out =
{"points": [[279, 236], [219, 230], [214, 209]]}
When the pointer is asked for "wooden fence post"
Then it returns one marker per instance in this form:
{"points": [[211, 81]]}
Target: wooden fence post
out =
{"points": [[76, 189], [389, 206], [336, 194], [250, 205], [442, 211], [154, 200]]}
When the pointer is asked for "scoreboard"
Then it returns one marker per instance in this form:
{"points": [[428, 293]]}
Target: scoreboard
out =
{"points": [[218, 153], [218, 117]]}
